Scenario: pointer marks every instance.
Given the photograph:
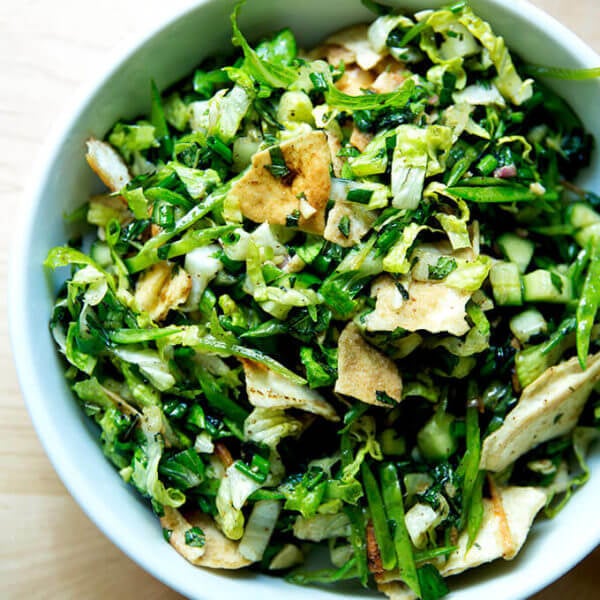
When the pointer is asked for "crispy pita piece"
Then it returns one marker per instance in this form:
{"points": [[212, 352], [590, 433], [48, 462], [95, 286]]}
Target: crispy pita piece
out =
{"points": [[363, 370], [107, 163], [267, 389], [360, 139], [387, 82], [396, 590], [177, 524], [355, 41], [265, 198], [549, 407], [161, 288], [360, 221], [432, 307], [218, 552], [354, 81], [506, 523]]}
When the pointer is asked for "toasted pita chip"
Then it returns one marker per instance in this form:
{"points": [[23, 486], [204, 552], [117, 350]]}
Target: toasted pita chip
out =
{"points": [[356, 41], [107, 164], [360, 221], [396, 590], [363, 371], [548, 408], [354, 81], [504, 529], [388, 81], [432, 307], [265, 198], [161, 288], [267, 389], [218, 552], [359, 139], [332, 53]]}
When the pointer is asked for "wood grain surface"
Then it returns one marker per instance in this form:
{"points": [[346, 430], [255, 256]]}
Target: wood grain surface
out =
{"points": [[48, 49]]}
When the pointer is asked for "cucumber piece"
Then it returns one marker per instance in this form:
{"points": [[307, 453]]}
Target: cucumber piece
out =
{"points": [[100, 253], [295, 107], [581, 215], [547, 286], [527, 324], [517, 250], [391, 443], [532, 362], [435, 440], [506, 284], [583, 236]]}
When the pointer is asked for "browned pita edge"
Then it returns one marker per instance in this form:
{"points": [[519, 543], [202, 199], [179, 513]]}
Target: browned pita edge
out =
{"points": [[107, 163], [264, 198], [218, 552], [363, 370]]}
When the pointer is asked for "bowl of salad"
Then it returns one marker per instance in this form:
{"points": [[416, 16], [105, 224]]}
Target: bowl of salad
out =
{"points": [[307, 295]]}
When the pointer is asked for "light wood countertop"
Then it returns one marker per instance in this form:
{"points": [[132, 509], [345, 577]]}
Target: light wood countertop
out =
{"points": [[48, 547]]}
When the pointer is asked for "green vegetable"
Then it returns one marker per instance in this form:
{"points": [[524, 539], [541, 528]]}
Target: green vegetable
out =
{"points": [[506, 284], [435, 440], [394, 506], [194, 536], [588, 303], [378, 516], [517, 250]]}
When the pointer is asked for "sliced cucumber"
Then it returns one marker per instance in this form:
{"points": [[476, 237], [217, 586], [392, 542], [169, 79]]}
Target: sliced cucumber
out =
{"points": [[581, 215], [517, 250], [547, 286], [583, 236], [506, 284], [527, 324], [100, 252]]}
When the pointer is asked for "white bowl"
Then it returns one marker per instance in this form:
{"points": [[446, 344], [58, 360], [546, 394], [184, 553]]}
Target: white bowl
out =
{"points": [[65, 181]]}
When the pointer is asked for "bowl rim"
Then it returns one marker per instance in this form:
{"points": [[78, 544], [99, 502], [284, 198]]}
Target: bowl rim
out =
{"points": [[64, 464]]}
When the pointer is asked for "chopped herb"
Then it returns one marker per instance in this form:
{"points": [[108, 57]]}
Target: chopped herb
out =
{"points": [[195, 537], [344, 226], [278, 168], [293, 219], [442, 268]]}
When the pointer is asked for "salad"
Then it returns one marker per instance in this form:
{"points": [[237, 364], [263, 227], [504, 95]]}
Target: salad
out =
{"points": [[345, 298]]}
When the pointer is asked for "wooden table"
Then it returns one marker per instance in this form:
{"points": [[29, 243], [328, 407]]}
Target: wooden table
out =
{"points": [[48, 547]]}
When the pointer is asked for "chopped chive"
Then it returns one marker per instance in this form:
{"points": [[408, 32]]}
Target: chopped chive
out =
{"points": [[487, 164], [359, 195], [220, 148]]}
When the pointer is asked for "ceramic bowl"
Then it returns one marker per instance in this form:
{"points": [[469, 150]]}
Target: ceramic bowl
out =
{"points": [[64, 181]]}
